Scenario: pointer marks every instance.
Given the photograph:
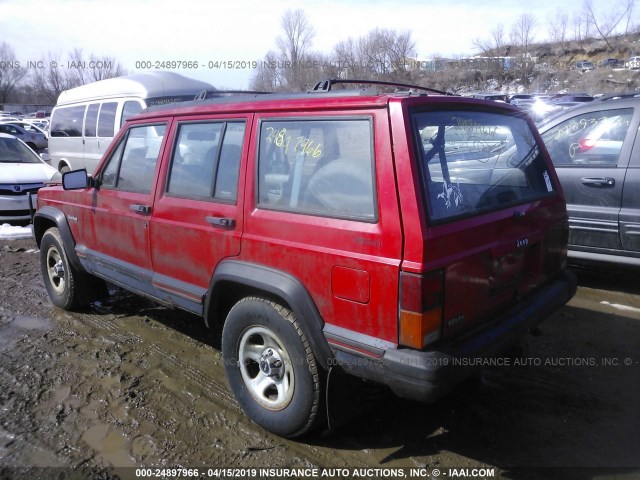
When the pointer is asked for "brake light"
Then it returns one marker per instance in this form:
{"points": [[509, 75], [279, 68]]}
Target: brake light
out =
{"points": [[420, 308], [586, 144]]}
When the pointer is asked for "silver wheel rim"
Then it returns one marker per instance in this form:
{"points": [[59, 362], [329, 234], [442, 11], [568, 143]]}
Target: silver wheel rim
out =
{"points": [[266, 368], [55, 269]]}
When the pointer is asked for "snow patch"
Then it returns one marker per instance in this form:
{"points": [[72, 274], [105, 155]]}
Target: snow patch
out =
{"points": [[14, 232]]}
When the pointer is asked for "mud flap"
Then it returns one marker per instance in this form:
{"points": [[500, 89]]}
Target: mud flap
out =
{"points": [[345, 399]]}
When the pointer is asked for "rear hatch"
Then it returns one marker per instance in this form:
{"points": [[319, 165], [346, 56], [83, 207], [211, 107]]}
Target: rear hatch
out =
{"points": [[496, 222]]}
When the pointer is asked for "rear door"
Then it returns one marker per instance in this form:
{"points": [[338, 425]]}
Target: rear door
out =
{"points": [[591, 153], [630, 212], [324, 210], [197, 218], [492, 219]]}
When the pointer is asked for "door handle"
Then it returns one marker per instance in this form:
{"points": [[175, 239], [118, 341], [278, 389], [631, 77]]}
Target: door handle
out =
{"points": [[142, 209], [599, 181], [222, 222]]}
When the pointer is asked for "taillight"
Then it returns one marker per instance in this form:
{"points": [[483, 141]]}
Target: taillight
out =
{"points": [[421, 298], [586, 144]]}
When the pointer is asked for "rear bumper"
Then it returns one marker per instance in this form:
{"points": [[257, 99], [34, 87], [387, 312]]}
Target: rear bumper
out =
{"points": [[427, 375]]}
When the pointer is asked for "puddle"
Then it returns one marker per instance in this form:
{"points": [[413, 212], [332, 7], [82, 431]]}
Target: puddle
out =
{"points": [[109, 444], [13, 327]]}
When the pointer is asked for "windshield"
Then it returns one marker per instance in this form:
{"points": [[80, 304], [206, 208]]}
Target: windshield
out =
{"points": [[474, 162], [13, 150]]}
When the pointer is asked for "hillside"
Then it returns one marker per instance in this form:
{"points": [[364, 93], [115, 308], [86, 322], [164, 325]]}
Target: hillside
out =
{"points": [[553, 70]]}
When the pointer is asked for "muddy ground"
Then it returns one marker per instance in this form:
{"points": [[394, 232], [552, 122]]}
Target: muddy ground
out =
{"points": [[129, 384]]}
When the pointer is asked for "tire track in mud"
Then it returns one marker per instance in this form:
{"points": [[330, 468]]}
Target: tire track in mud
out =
{"points": [[228, 437]]}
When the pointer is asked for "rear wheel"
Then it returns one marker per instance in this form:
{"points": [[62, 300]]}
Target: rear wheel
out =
{"points": [[271, 368]]}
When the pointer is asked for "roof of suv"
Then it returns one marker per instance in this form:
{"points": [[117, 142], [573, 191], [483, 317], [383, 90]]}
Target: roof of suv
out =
{"points": [[339, 99]]}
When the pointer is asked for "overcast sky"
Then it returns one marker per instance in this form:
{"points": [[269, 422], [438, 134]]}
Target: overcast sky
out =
{"points": [[243, 30]]}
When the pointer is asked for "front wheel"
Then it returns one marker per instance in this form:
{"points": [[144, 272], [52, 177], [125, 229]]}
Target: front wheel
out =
{"points": [[271, 368], [67, 287]]}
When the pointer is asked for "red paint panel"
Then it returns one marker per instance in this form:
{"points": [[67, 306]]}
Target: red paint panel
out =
{"points": [[350, 284]]}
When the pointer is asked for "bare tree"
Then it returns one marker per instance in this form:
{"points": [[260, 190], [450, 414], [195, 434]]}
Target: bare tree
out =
{"points": [[496, 45], [52, 79], [294, 45], [11, 71], [607, 23], [57, 74], [558, 25], [522, 37], [382, 53]]}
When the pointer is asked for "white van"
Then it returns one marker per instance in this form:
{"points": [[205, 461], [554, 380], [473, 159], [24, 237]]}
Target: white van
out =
{"points": [[86, 118]]}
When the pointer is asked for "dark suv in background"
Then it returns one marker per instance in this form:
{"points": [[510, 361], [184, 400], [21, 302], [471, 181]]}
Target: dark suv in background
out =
{"points": [[596, 152]]}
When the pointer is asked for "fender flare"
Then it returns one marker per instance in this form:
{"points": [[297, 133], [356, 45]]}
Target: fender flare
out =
{"points": [[276, 283], [41, 220]]}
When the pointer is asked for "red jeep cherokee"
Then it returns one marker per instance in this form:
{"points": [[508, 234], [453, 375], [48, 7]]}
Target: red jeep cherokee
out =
{"points": [[389, 235]]}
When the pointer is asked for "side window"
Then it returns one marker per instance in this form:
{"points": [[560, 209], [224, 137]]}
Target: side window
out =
{"points": [[106, 119], [206, 160], [132, 165], [319, 167], [11, 130], [592, 139], [130, 109], [67, 122], [91, 120]]}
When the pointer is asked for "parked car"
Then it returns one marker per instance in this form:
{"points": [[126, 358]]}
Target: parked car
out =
{"points": [[521, 99], [32, 127], [585, 66], [611, 63], [633, 63], [8, 119], [36, 140], [498, 97], [22, 173], [320, 231], [595, 150], [573, 98]]}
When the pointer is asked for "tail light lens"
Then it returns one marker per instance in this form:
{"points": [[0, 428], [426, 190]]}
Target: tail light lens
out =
{"points": [[421, 309], [586, 144]]}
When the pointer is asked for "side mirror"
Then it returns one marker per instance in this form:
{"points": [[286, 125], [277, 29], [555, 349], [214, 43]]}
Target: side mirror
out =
{"points": [[76, 180], [45, 157]]}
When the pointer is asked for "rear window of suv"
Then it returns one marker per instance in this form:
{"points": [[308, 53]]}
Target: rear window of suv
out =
{"points": [[474, 162]]}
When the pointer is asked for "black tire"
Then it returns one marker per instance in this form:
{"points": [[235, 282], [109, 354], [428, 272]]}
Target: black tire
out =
{"points": [[271, 368], [68, 288]]}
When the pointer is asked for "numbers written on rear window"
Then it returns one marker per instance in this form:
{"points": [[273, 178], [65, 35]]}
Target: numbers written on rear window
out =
{"points": [[318, 166]]}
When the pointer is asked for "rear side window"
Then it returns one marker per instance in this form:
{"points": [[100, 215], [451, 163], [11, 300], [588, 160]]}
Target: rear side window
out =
{"points": [[106, 119], [67, 122], [318, 167], [206, 160], [593, 139], [474, 162], [91, 120]]}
